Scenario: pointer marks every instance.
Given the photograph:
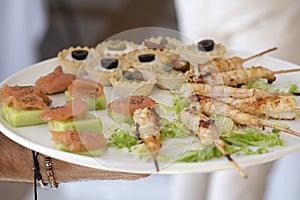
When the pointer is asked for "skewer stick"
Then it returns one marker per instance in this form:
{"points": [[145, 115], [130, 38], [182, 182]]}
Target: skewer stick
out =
{"points": [[297, 109], [154, 155], [260, 54], [280, 128], [156, 165], [234, 164], [286, 71]]}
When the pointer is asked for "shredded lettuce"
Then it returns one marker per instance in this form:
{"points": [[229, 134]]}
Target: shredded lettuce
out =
{"points": [[142, 153], [262, 83], [123, 136], [252, 137], [173, 129], [179, 104], [293, 89], [203, 154], [225, 125], [249, 142]]}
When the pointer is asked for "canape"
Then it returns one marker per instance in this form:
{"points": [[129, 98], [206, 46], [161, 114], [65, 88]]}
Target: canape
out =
{"points": [[73, 129], [134, 82], [88, 91], [101, 69], [203, 51], [71, 59]]}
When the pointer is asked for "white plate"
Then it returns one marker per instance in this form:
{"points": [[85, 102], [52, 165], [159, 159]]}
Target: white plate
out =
{"points": [[38, 137]]}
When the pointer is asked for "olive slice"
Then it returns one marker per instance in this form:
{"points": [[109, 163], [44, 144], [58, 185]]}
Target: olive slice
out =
{"points": [[127, 75], [146, 57], [109, 63], [206, 45], [137, 75], [79, 54], [180, 65]]}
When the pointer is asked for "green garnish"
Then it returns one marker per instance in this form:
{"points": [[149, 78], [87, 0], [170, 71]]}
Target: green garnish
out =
{"points": [[294, 89], [173, 129], [123, 136]]}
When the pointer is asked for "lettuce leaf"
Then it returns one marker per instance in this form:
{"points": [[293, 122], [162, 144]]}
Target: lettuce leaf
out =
{"points": [[173, 129], [204, 154], [179, 104], [262, 83], [293, 89], [252, 137], [123, 136], [236, 142]]}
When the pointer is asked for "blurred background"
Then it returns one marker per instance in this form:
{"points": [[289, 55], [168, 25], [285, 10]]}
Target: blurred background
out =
{"points": [[91, 21]]}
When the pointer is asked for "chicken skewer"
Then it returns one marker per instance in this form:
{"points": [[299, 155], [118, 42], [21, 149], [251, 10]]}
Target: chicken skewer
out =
{"points": [[277, 107], [227, 64], [207, 131], [209, 106], [188, 89], [147, 124], [239, 76]]}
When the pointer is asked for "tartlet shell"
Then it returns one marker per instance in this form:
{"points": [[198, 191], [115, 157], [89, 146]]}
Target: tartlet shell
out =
{"points": [[103, 77], [101, 47], [124, 89], [173, 81], [72, 66], [133, 60], [194, 56], [170, 53]]}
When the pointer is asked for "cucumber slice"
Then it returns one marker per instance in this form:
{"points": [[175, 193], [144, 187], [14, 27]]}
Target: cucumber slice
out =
{"points": [[94, 104], [88, 123], [119, 118], [94, 153], [19, 118]]}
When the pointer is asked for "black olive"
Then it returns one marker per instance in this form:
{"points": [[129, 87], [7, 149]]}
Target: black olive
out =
{"points": [[80, 54], [180, 65], [137, 75], [109, 63], [127, 75], [206, 45], [146, 57]]}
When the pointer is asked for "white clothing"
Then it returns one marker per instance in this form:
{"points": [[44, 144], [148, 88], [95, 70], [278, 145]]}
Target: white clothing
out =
{"points": [[253, 26], [23, 28]]}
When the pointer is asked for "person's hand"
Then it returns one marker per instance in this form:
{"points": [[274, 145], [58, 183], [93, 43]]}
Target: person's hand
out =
{"points": [[17, 165]]}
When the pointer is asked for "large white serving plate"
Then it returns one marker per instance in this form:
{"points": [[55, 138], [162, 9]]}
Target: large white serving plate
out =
{"points": [[38, 138]]}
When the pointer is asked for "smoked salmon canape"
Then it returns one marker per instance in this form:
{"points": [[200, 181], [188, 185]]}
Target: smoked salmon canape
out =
{"points": [[75, 130], [88, 91], [121, 110], [22, 105], [55, 82]]}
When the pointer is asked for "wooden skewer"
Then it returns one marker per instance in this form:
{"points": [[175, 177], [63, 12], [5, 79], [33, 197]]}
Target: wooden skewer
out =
{"points": [[228, 156], [220, 145], [154, 155], [280, 128], [156, 165], [286, 71], [260, 54], [297, 110]]}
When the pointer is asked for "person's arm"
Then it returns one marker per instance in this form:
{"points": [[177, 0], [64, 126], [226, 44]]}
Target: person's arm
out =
{"points": [[16, 165]]}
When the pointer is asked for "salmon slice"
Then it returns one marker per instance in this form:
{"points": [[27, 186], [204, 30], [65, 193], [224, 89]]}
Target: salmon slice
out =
{"points": [[127, 105], [72, 109], [81, 88], [80, 141], [27, 102], [6, 92], [56, 81]]}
